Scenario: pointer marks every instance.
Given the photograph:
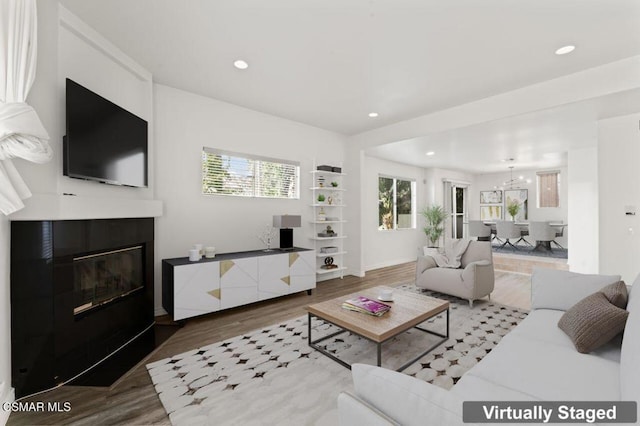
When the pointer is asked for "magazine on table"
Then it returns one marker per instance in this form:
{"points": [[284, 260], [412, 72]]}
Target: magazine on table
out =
{"points": [[366, 306]]}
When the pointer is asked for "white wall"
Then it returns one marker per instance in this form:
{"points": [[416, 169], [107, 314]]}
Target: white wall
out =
{"points": [[583, 217], [389, 247], [618, 159], [186, 122]]}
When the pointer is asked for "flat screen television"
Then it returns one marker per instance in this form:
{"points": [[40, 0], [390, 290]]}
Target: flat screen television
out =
{"points": [[104, 142]]}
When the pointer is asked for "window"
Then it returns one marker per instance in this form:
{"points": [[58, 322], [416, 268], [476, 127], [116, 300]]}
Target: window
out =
{"points": [[549, 189], [245, 175], [396, 200]]}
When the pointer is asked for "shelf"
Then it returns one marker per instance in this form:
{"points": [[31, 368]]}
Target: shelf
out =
{"points": [[328, 205], [314, 172], [330, 254], [328, 271], [320, 222], [326, 188], [327, 238]]}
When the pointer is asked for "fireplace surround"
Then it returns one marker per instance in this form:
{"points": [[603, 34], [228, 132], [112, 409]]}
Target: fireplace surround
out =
{"points": [[80, 291]]}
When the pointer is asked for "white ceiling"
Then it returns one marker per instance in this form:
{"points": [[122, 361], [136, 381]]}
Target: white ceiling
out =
{"points": [[328, 63]]}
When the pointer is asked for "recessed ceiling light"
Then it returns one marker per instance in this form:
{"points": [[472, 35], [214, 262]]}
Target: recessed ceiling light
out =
{"points": [[565, 49], [373, 114], [240, 64], [430, 153]]}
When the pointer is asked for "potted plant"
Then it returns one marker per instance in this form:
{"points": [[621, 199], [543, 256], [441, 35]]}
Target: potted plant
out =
{"points": [[435, 217], [321, 198], [513, 207], [334, 184]]}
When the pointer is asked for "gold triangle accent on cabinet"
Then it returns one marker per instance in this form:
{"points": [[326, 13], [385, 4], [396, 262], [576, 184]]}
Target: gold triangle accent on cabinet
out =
{"points": [[225, 265], [292, 258], [215, 293], [286, 280]]}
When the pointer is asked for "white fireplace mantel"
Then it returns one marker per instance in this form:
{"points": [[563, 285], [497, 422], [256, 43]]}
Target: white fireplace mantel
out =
{"points": [[72, 207]]}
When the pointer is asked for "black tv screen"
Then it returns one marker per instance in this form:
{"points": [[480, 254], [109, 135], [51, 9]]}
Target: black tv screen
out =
{"points": [[104, 142]]}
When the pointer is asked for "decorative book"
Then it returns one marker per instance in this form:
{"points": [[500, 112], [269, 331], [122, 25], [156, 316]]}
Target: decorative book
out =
{"points": [[366, 306]]}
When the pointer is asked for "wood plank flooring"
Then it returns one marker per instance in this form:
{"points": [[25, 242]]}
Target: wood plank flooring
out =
{"points": [[133, 400]]}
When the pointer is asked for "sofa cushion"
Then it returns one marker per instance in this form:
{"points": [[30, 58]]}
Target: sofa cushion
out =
{"points": [[474, 388], [592, 322], [549, 372], [630, 357], [405, 399], [553, 289], [616, 294], [542, 325]]}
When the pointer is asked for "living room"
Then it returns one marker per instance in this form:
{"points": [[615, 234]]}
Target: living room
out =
{"points": [[591, 96]]}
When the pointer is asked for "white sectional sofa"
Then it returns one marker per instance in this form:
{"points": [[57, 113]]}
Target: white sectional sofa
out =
{"points": [[535, 361]]}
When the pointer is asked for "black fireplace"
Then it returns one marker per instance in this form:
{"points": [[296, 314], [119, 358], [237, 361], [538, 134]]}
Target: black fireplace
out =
{"points": [[80, 291]]}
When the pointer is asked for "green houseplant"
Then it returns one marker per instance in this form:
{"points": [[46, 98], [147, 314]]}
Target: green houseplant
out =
{"points": [[513, 208], [435, 217], [321, 198]]}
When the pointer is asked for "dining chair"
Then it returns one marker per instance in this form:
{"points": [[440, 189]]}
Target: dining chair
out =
{"points": [[478, 229], [508, 230], [543, 234], [559, 233]]}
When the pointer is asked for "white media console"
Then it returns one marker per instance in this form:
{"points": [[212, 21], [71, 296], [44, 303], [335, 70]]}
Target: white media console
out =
{"points": [[190, 289]]}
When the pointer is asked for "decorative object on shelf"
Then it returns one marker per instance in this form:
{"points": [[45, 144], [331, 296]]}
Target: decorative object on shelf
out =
{"points": [[199, 248], [329, 249], [334, 184], [321, 198], [328, 232], [328, 263], [325, 168], [321, 217], [194, 255], [336, 169], [321, 181], [435, 217], [285, 223], [266, 236], [330, 200], [209, 252]]}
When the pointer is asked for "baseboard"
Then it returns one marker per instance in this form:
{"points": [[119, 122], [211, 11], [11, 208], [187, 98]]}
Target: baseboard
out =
{"points": [[159, 311], [7, 396]]}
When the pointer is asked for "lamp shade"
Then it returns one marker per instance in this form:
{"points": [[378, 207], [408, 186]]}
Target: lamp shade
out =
{"points": [[287, 221]]}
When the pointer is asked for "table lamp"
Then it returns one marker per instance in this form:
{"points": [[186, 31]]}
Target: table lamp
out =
{"points": [[285, 223]]}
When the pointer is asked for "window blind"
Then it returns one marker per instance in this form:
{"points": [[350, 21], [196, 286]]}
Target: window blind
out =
{"points": [[548, 189], [246, 175]]}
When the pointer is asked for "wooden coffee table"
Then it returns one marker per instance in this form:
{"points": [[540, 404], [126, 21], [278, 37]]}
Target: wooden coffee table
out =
{"points": [[408, 310]]}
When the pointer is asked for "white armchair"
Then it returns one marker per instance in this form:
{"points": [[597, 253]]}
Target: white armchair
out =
{"points": [[473, 280]]}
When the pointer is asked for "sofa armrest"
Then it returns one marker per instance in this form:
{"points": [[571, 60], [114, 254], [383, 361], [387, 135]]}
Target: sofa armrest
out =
{"points": [[405, 399], [560, 290], [354, 411], [479, 277], [423, 263]]}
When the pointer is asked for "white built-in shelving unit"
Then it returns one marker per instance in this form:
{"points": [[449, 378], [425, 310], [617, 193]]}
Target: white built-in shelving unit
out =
{"points": [[328, 213]]}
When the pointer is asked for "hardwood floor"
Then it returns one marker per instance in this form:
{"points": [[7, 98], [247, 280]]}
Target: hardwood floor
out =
{"points": [[133, 400]]}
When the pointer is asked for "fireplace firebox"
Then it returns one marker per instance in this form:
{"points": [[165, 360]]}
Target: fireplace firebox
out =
{"points": [[81, 290]]}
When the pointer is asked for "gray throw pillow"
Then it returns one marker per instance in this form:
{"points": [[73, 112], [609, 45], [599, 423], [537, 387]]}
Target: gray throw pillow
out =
{"points": [[592, 322], [617, 294]]}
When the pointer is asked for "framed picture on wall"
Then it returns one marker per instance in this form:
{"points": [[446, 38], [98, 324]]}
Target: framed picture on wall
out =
{"points": [[519, 197], [491, 197], [491, 213]]}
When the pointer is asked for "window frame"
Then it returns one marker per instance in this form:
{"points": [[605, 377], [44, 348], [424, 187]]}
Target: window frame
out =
{"points": [[256, 159], [394, 208]]}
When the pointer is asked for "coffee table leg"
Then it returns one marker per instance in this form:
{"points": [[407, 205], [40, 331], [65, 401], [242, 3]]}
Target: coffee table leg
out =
{"points": [[309, 331], [379, 354]]}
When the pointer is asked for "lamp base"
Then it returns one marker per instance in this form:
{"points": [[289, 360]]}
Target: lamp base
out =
{"points": [[286, 238]]}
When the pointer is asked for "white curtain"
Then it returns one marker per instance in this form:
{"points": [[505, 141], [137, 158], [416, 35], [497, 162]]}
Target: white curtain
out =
{"points": [[21, 132]]}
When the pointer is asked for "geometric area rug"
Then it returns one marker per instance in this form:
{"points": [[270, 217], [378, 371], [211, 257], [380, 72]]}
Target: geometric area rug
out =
{"points": [[271, 376]]}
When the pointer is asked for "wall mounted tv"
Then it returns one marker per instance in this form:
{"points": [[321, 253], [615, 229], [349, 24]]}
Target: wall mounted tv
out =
{"points": [[104, 142]]}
